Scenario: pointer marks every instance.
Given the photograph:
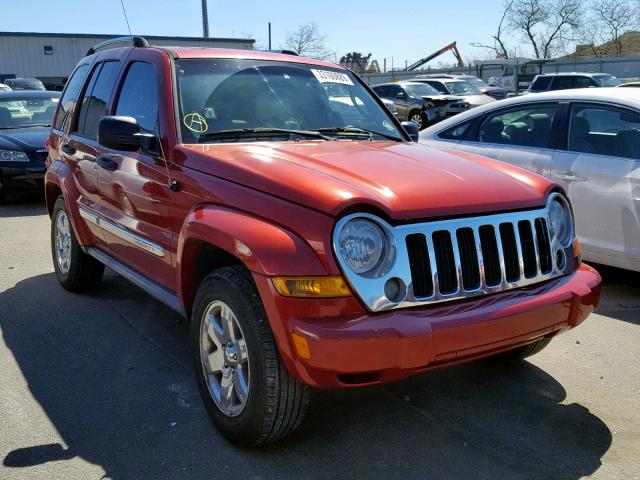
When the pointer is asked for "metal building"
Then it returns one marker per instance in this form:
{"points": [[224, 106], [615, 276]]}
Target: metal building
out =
{"points": [[52, 56]]}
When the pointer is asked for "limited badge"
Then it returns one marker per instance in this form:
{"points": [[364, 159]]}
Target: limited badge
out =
{"points": [[195, 122]]}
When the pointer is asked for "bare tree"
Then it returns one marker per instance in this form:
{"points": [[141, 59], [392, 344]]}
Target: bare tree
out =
{"points": [[499, 47], [306, 40], [547, 25], [614, 18]]}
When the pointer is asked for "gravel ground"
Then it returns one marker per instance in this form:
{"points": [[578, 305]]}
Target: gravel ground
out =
{"points": [[100, 385]]}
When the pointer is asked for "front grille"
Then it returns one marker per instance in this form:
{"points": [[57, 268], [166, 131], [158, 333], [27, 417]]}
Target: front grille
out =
{"points": [[470, 258], [456, 258]]}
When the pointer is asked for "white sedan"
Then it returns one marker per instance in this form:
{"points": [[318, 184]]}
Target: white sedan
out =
{"points": [[588, 140]]}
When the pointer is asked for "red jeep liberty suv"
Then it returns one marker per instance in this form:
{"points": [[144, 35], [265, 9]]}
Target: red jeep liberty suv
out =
{"points": [[276, 203]]}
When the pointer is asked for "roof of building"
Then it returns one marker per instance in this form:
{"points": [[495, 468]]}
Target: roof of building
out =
{"points": [[105, 35], [4, 95]]}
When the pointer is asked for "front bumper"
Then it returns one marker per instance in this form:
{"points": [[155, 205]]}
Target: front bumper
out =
{"points": [[21, 178], [349, 347]]}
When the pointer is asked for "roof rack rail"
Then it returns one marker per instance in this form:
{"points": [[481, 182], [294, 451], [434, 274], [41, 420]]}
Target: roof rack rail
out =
{"points": [[137, 42], [285, 52]]}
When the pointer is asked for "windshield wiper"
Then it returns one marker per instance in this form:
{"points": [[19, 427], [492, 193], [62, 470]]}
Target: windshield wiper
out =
{"points": [[359, 130], [263, 130]]}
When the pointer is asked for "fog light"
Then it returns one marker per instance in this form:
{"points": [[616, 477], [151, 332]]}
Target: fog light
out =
{"points": [[395, 290], [312, 287]]}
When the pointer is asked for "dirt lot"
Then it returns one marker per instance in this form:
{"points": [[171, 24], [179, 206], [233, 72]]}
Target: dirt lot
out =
{"points": [[101, 385]]}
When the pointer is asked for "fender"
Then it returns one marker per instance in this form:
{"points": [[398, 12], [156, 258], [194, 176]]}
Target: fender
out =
{"points": [[263, 248], [59, 177]]}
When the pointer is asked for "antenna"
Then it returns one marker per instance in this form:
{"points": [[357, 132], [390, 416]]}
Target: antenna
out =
{"points": [[124, 10]]}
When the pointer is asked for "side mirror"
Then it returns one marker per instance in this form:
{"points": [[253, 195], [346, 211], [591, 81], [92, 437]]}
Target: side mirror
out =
{"points": [[412, 130], [123, 133], [401, 95]]}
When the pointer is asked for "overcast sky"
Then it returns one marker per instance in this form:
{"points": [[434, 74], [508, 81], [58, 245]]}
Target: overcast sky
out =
{"points": [[402, 30]]}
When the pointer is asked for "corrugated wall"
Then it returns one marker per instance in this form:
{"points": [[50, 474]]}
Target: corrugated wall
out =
{"points": [[23, 56]]}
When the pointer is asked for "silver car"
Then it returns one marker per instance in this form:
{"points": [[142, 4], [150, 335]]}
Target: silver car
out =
{"points": [[462, 89], [588, 140]]}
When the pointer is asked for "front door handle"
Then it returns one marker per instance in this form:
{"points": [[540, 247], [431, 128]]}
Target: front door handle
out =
{"points": [[107, 163], [68, 149], [570, 177]]}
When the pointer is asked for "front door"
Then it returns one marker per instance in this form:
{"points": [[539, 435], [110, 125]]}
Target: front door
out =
{"points": [[134, 193], [601, 173]]}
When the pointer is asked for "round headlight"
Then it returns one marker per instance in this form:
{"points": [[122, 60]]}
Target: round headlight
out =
{"points": [[362, 245], [560, 222]]}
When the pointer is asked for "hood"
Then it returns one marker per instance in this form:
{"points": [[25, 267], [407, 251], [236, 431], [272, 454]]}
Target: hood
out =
{"points": [[26, 139], [477, 100], [404, 180], [442, 98]]}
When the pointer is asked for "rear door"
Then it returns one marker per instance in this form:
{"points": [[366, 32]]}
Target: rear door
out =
{"points": [[600, 170], [134, 192]]}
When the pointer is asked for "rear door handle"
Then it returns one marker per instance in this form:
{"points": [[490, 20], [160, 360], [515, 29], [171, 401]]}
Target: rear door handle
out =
{"points": [[107, 163], [569, 177], [68, 149]]}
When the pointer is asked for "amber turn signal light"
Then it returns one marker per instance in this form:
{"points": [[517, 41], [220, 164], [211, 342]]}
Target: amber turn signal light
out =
{"points": [[312, 287]]}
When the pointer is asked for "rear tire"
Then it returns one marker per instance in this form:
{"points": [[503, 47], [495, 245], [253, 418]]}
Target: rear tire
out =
{"points": [[264, 402], [75, 270], [520, 353]]}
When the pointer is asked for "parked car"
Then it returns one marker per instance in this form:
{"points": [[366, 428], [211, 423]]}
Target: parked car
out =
{"points": [[568, 80], [630, 84], [493, 91], [4, 88], [25, 121], [307, 248], [462, 89], [587, 140], [24, 84], [419, 103]]}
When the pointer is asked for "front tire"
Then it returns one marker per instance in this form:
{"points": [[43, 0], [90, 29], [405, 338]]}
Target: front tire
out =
{"points": [[245, 387], [75, 270], [419, 118]]}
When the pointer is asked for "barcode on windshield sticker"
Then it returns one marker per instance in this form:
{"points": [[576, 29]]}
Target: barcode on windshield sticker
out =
{"points": [[329, 76]]}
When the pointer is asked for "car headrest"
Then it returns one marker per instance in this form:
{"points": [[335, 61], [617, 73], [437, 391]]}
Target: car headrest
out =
{"points": [[580, 127]]}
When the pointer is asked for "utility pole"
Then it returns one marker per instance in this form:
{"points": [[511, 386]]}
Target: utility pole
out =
{"points": [[205, 20], [269, 35]]}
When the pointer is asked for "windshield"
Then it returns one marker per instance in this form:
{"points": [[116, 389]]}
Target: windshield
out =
{"points": [[462, 87], [27, 112], [477, 82], [421, 90], [218, 95], [607, 80]]}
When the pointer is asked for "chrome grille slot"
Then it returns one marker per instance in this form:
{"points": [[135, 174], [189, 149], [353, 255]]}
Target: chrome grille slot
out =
{"points": [[468, 258], [490, 255], [544, 250], [510, 253], [420, 265], [445, 262], [527, 248]]}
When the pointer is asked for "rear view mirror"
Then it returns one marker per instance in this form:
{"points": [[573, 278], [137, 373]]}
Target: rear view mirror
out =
{"points": [[412, 130], [123, 133]]}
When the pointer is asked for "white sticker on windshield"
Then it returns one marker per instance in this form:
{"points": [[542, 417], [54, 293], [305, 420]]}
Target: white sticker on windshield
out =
{"points": [[329, 76]]}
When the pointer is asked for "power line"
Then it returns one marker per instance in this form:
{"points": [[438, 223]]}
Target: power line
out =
{"points": [[124, 10]]}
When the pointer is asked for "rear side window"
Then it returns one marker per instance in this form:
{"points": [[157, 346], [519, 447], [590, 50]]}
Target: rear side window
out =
{"points": [[540, 83], [96, 98], [70, 96], [381, 91], [604, 130], [562, 83], [456, 133], [526, 126], [139, 96]]}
